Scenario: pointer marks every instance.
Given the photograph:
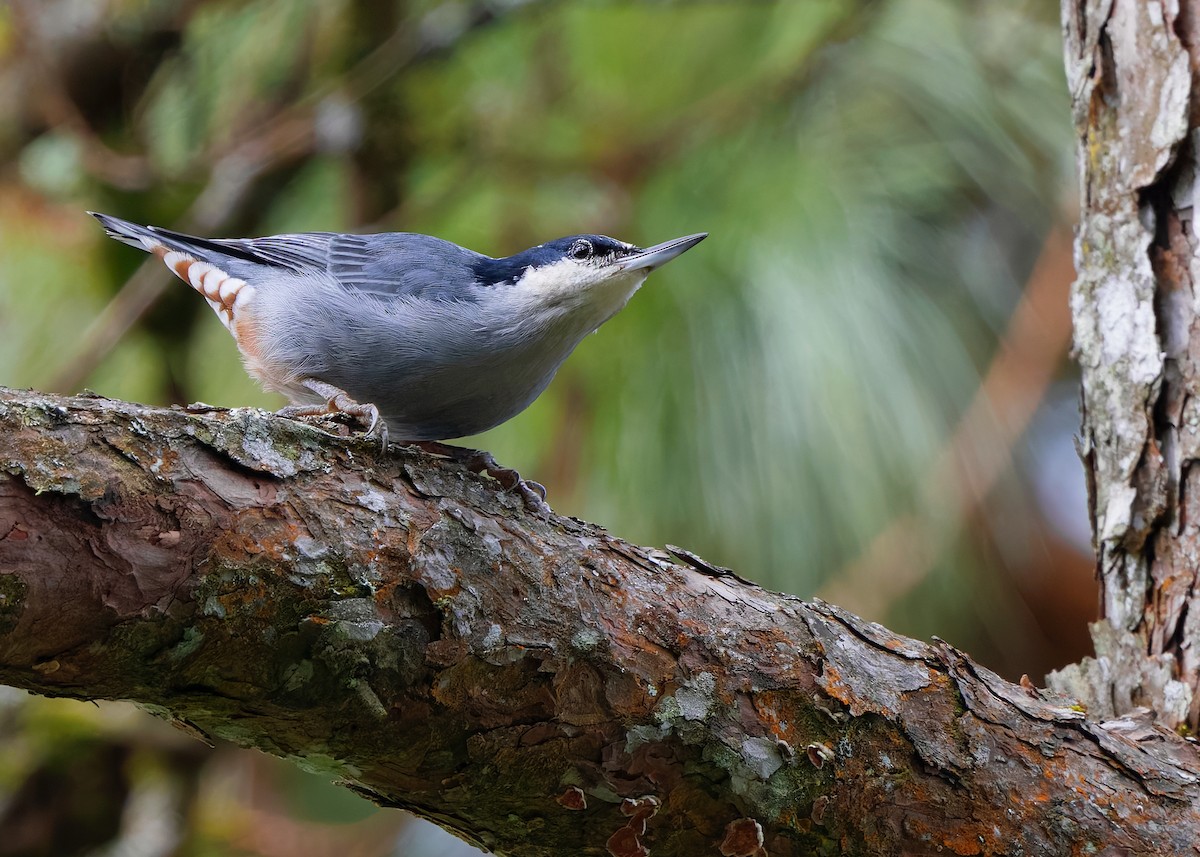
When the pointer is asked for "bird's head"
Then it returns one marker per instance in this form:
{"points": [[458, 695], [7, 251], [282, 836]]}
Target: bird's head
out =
{"points": [[587, 270]]}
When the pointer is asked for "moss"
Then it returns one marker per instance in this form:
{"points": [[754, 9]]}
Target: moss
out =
{"points": [[586, 640], [190, 642], [12, 601], [668, 711]]}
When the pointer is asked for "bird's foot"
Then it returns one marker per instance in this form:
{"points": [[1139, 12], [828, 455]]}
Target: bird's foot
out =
{"points": [[477, 461], [337, 401]]}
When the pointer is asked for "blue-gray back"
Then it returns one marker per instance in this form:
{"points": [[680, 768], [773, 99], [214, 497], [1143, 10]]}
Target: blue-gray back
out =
{"points": [[390, 264]]}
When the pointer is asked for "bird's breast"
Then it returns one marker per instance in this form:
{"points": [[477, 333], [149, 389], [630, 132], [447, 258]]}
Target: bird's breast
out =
{"points": [[436, 369]]}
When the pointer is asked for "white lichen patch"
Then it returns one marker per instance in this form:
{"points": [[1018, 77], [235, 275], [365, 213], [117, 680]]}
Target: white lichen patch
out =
{"points": [[493, 639], [1126, 327], [1117, 513], [695, 698], [585, 639], [636, 736], [261, 448], [762, 756], [371, 499], [360, 632], [355, 619]]}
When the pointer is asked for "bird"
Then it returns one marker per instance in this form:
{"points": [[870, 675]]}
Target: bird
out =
{"points": [[408, 334]]}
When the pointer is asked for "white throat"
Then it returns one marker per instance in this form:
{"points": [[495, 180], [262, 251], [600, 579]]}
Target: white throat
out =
{"points": [[590, 294]]}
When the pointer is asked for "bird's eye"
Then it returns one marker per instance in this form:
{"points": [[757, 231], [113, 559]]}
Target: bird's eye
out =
{"points": [[581, 249]]}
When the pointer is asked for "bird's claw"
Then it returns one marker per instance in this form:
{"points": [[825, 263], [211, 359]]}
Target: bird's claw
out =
{"points": [[534, 496], [377, 428], [338, 402]]}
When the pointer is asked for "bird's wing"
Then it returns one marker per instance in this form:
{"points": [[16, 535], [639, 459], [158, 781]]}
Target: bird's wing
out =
{"points": [[402, 264], [391, 264]]}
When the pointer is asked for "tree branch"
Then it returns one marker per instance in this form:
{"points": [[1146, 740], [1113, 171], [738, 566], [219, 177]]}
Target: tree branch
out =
{"points": [[538, 686]]}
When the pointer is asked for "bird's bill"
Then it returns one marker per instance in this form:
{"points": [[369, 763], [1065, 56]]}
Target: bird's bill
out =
{"points": [[660, 254]]}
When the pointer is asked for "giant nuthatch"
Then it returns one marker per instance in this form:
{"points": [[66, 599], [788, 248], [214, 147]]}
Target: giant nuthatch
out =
{"points": [[403, 331]]}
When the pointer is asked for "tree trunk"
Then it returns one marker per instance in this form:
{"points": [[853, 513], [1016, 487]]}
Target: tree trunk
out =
{"points": [[1131, 67], [536, 685]]}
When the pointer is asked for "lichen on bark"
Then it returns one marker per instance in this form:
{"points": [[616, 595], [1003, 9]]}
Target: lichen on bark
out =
{"points": [[1129, 69]]}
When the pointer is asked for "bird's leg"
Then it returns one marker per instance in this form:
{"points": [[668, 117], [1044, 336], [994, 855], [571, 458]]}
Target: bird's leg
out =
{"points": [[478, 461], [337, 401]]}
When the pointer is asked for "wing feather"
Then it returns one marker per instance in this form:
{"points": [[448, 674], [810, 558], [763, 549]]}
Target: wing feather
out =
{"points": [[390, 264]]}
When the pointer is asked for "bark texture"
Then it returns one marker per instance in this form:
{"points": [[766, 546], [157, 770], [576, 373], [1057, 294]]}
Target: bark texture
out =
{"points": [[1132, 70], [536, 685]]}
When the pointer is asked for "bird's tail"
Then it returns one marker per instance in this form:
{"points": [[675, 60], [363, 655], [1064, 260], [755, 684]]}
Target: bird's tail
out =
{"points": [[142, 237], [155, 239], [186, 258]]}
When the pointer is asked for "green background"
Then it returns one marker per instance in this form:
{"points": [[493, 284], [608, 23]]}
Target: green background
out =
{"points": [[789, 399]]}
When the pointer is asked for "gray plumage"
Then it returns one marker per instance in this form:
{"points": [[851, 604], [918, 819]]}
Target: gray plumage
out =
{"points": [[445, 342]]}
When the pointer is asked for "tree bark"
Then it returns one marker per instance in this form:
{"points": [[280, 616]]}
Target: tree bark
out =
{"points": [[1132, 70], [536, 685]]}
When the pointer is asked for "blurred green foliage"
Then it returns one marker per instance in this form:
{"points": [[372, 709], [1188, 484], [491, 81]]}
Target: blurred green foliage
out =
{"points": [[877, 178]]}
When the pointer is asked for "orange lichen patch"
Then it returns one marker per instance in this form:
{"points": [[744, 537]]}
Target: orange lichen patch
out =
{"points": [[239, 545], [978, 837], [246, 594], [964, 843], [789, 817], [966, 839], [833, 684], [724, 693], [690, 629], [938, 680], [772, 711]]}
